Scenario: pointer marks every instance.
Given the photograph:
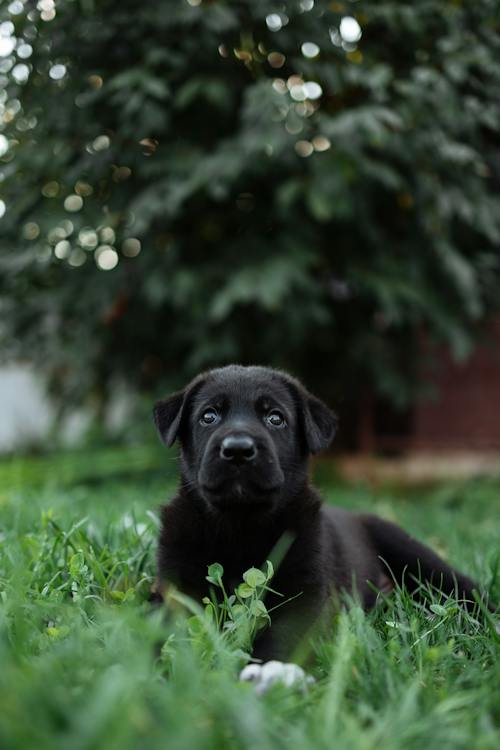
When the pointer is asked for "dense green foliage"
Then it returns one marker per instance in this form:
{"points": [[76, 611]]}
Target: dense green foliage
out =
{"points": [[268, 185], [86, 664]]}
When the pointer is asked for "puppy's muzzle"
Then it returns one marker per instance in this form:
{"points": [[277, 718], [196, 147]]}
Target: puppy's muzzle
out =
{"points": [[238, 448]]}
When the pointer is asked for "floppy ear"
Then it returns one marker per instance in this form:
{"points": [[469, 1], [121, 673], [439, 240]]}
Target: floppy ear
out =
{"points": [[167, 415], [320, 423]]}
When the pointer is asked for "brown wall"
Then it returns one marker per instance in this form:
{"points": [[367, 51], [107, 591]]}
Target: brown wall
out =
{"points": [[463, 414], [466, 410]]}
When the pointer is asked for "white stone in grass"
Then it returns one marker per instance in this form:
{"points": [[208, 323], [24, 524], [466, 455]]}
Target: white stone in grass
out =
{"points": [[272, 672]]}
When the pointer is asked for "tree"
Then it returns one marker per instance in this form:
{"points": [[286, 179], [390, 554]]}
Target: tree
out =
{"points": [[306, 184]]}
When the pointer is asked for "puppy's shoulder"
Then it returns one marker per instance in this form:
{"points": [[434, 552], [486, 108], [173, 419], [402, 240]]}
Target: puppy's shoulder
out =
{"points": [[335, 514], [342, 522]]}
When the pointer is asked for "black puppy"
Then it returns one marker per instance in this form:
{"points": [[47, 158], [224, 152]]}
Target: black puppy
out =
{"points": [[246, 434]]}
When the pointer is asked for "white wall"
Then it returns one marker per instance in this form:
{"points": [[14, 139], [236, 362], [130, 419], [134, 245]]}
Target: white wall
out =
{"points": [[25, 413]]}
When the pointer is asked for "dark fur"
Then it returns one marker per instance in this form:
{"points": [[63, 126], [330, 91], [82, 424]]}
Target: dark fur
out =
{"points": [[236, 513]]}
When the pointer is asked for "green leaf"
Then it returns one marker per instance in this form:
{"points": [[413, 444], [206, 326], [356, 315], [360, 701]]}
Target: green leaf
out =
{"points": [[438, 609], [239, 610], [244, 590], [270, 570], [258, 608], [254, 577], [215, 573]]}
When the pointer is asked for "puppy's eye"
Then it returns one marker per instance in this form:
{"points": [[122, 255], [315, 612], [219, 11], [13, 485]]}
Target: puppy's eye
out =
{"points": [[209, 416], [275, 418]]}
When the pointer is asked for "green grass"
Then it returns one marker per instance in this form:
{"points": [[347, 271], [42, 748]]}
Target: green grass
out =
{"points": [[84, 663]]}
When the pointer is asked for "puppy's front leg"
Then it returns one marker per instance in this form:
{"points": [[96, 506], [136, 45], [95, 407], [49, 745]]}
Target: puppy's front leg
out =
{"points": [[288, 637], [293, 624]]}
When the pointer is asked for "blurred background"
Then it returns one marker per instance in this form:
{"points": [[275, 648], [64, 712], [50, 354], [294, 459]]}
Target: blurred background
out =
{"points": [[310, 185]]}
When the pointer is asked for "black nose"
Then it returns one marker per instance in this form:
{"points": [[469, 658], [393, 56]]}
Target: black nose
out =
{"points": [[238, 448]]}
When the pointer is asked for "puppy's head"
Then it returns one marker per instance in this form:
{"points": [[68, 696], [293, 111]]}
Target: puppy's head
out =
{"points": [[246, 434]]}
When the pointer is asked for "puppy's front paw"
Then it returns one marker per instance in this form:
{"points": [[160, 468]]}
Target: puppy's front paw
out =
{"points": [[265, 675]]}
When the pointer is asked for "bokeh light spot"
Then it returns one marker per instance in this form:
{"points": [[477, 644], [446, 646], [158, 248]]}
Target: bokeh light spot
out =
{"points": [[274, 22], [57, 72], [16, 8], [294, 81], [7, 45], [4, 145], [62, 250], [280, 86], [320, 143], [67, 226], [131, 247], [304, 148], [101, 143], [73, 203], [77, 258], [298, 93], [24, 51], [350, 30], [107, 235], [55, 235], [106, 257], [276, 59], [150, 145], [95, 81], [312, 90], [310, 49], [7, 28], [87, 238], [5, 66], [47, 8], [335, 37], [83, 188], [20, 73], [50, 189], [304, 109], [31, 230], [243, 54], [294, 126]]}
